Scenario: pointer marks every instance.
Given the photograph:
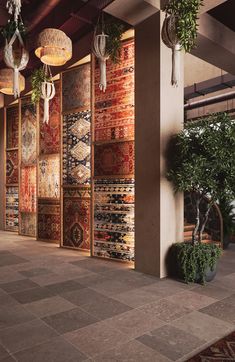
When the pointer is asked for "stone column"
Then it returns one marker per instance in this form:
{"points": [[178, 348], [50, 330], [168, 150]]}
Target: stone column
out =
{"points": [[159, 115]]}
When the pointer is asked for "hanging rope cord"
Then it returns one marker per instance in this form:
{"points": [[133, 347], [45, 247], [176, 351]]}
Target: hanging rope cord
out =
{"points": [[48, 92]]}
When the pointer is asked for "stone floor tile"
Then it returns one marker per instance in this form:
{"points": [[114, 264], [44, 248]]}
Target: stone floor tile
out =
{"points": [[221, 310], [92, 279], [202, 325], [96, 266], [31, 295], [56, 350], [14, 314], [230, 300], [134, 323], [8, 359], [6, 299], [132, 351], [50, 278], [64, 287], [25, 335], [29, 273], [165, 310], [191, 300], [69, 320], [137, 297], [165, 288], [96, 338], [82, 296], [11, 259], [103, 307], [49, 306], [212, 291], [3, 352], [108, 287], [18, 286], [8, 275], [171, 342]]}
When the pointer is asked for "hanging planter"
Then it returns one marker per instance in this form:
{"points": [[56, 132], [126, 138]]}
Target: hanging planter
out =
{"points": [[107, 45], [43, 87], [6, 81], [54, 47], [14, 8], [180, 31], [16, 60]]}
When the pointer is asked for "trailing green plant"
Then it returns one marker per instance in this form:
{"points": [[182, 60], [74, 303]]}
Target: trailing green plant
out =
{"points": [[37, 78], [9, 30], [194, 260], [186, 14], [201, 161], [228, 213]]}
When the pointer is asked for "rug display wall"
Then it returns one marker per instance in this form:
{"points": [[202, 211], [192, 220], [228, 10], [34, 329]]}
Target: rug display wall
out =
{"points": [[76, 101], [12, 175], [49, 215], [114, 160]]}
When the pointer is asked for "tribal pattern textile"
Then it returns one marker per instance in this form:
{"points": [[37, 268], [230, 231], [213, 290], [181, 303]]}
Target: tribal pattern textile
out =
{"points": [[12, 127], [76, 88], [27, 224], [76, 218], [77, 148], [28, 134], [50, 133], [114, 109], [49, 176], [114, 219], [49, 220], [221, 351], [12, 204], [114, 159], [12, 167], [28, 189]]}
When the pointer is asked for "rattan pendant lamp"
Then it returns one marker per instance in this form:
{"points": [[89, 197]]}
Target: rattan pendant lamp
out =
{"points": [[7, 83], [54, 47]]}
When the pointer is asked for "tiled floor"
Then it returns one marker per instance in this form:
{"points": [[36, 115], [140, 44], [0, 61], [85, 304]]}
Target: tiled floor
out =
{"points": [[59, 305]]}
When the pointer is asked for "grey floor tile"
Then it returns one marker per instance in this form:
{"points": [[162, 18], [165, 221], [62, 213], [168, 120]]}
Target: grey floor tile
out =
{"points": [[70, 320], [49, 306], [18, 286], [50, 278], [221, 310], [56, 350], [171, 342], [63, 287], [12, 315], [96, 339], [213, 291], [6, 300], [191, 300], [165, 310], [96, 266], [104, 307], [132, 351], [137, 297], [82, 296], [111, 287], [25, 335], [33, 272], [31, 295], [230, 300], [11, 259], [203, 326], [134, 323], [3, 352]]}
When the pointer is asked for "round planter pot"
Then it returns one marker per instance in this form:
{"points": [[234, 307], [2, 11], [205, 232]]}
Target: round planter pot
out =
{"points": [[209, 274]]}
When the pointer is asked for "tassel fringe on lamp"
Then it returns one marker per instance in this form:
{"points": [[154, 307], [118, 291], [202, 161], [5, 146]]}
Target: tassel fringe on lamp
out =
{"points": [[54, 47], [6, 81]]}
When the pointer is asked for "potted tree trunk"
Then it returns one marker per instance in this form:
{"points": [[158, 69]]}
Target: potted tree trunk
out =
{"points": [[202, 162]]}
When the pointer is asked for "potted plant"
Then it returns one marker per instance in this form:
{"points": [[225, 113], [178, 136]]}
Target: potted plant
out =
{"points": [[202, 162], [180, 30]]}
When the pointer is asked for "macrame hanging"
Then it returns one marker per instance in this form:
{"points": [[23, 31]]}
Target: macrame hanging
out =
{"points": [[171, 40], [48, 92], [14, 7], [14, 62], [100, 51]]}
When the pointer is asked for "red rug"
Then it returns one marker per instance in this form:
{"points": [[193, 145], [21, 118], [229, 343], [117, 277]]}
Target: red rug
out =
{"points": [[221, 351]]}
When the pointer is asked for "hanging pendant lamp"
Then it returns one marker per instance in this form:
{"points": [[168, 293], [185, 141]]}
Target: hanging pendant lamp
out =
{"points": [[54, 47], [6, 81]]}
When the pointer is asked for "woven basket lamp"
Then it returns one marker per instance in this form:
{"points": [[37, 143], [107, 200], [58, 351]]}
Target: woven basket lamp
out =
{"points": [[6, 81], [54, 47]]}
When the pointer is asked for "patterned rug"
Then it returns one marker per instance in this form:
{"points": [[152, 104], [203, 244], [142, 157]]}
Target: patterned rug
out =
{"points": [[12, 127], [12, 167], [49, 176], [28, 189], [221, 351], [27, 224], [12, 205], [28, 134], [49, 220]]}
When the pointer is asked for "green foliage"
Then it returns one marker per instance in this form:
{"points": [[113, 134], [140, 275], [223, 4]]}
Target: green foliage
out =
{"points": [[38, 77], [9, 30], [227, 211], [202, 158], [194, 260], [186, 13]]}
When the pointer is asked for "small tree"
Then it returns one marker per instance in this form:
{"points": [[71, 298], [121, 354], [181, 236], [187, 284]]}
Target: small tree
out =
{"points": [[202, 162]]}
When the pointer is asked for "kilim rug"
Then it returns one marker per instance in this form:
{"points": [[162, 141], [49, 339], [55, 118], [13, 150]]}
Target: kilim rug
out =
{"points": [[49, 176], [12, 204], [28, 189], [76, 85], [12, 167], [50, 133], [114, 219], [49, 220], [12, 127], [221, 351], [27, 224], [28, 134]]}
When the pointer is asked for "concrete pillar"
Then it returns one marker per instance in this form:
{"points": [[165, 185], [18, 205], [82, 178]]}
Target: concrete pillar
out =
{"points": [[159, 115]]}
